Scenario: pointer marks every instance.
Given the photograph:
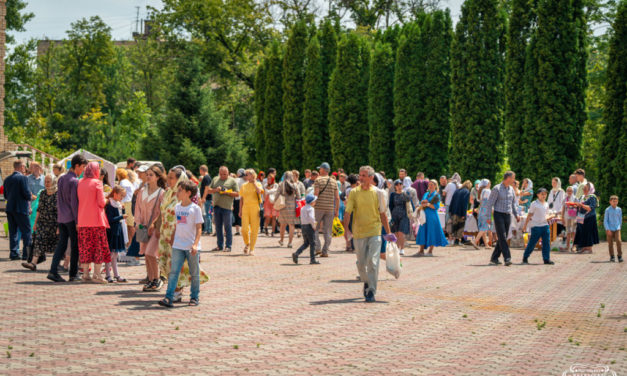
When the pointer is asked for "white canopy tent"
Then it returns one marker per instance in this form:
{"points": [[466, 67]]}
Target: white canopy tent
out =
{"points": [[108, 166]]}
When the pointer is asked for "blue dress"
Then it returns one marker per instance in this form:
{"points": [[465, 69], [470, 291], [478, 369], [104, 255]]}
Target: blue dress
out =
{"points": [[431, 234], [484, 216]]}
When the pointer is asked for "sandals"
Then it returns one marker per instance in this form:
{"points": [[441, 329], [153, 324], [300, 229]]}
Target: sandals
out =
{"points": [[98, 280], [246, 250], [281, 243], [110, 280], [120, 279], [166, 302]]}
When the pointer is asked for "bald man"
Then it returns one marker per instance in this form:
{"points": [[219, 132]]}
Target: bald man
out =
{"points": [[224, 190]]}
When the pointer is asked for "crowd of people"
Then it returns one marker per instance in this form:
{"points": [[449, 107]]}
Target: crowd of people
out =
{"points": [[87, 220]]}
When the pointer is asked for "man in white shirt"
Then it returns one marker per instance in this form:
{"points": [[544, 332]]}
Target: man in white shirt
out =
{"points": [[539, 228]]}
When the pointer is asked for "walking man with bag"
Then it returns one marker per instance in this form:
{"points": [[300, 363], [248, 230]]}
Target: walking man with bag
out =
{"points": [[367, 205], [327, 207], [224, 190]]}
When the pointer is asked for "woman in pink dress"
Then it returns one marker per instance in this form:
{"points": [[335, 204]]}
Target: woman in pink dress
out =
{"points": [[92, 224], [148, 214]]}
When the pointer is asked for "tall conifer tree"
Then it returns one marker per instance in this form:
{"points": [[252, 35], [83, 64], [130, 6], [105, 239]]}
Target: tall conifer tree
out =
{"points": [[273, 113]]}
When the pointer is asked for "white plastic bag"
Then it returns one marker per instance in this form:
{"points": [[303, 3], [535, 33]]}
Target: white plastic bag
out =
{"points": [[393, 259]]}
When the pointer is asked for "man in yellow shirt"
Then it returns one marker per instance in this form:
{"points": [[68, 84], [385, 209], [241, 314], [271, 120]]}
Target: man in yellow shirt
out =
{"points": [[368, 209]]}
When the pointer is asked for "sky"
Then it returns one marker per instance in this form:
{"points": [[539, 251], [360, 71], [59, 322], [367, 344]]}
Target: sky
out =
{"points": [[53, 17]]}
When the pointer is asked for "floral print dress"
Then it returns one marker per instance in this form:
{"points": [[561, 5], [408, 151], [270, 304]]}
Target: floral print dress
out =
{"points": [[168, 225]]}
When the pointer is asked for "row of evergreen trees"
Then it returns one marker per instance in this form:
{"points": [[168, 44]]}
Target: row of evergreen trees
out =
{"points": [[504, 90]]}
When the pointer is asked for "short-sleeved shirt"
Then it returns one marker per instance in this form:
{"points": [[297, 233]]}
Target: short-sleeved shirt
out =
{"points": [[538, 209], [450, 191], [36, 185], [222, 200], [187, 217], [205, 182], [250, 195], [366, 206], [326, 196]]}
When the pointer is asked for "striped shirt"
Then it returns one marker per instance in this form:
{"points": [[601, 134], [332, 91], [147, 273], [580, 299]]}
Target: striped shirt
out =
{"points": [[502, 199]]}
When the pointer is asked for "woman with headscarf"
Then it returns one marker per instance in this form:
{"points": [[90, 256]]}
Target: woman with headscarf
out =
{"points": [[270, 215], [587, 233], [45, 229], [93, 246], [175, 176], [287, 215], [398, 207], [430, 233], [458, 210], [148, 215], [526, 194], [484, 216]]}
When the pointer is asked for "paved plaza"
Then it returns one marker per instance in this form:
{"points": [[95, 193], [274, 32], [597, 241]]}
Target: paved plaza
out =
{"points": [[447, 315]]}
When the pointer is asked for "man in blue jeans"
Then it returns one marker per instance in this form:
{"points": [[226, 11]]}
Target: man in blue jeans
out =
{"points": [[503, 200], [18, 197], [224, 189]]}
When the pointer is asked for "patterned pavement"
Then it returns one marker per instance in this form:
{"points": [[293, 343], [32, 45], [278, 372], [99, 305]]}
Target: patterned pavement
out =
{"points": [[447, 315]]}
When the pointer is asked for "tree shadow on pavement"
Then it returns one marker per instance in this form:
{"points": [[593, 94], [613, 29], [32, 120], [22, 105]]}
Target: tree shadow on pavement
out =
{"points": [[355, 280]]}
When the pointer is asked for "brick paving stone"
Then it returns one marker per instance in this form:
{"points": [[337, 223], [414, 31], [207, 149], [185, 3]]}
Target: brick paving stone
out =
{"points": [[447, 315]]}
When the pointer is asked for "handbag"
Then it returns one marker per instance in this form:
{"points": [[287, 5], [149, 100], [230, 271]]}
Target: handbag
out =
{"points": [[279, 202], [141, 235]]}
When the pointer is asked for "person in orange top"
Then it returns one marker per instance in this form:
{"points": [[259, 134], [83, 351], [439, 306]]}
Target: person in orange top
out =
{"points": [[92, 224]]}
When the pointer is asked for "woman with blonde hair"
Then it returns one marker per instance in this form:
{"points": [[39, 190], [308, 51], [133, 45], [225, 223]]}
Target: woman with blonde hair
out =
{"points": [[250, 202], [287, 215]]}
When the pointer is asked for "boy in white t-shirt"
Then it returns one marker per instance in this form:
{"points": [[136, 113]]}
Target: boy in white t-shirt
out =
{"points": [[185, 243], [539, 228]]}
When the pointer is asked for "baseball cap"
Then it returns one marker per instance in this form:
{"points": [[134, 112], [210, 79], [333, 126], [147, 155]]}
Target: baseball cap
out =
{"points": [[142, 168], [325, 165], [310, 198], [542, 190]]}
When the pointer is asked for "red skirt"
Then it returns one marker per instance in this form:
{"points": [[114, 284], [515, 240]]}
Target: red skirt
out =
{"points": [[93, 245]]}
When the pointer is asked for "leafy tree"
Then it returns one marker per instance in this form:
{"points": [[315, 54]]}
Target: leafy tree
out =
{"points": [[328, 55], [316, 146], [260, 92], [348, 106], [192, 115], [476, 105], [19, 85], [273, 113], [613, 156], [16, 18], [381, 108], [294, 96], [554, 123], [408, 96], [436, 83], [230, 34], [521, 21]]}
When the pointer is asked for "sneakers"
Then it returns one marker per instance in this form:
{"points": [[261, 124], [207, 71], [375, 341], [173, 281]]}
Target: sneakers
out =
{"points": [[549, 262], [612, 259], [620, 259], [365, 289], [495, 262], [402, 252], [525, 261], [144, 281], [150, 286], [227, 249], [314, 262], [370, 297], [508, 262]]}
